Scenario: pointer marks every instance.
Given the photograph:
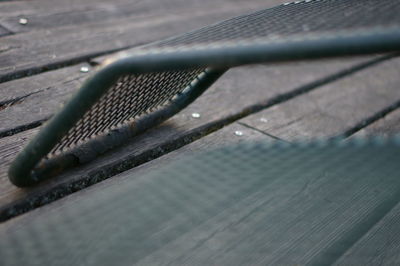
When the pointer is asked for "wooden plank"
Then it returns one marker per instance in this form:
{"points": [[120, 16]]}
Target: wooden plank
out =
{"points": [[38, 197], [42, 7], [311, 213], [50, 17], [45, 14], [231, 134], [57, 47], [27, 8], [222, 104], [380, 246], [342, 107], [27, 102], [225, 136], [47, 91], [387, 126]]}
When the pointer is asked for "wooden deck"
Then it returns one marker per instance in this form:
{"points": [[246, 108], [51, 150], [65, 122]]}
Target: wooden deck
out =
{"points": [[40, 67]]}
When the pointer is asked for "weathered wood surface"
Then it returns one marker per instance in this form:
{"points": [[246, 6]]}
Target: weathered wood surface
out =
{"points": [[348, 86], [339, 108], [66, 45], [223, 103], [33, 99], [327, 98], [45, 14], [284, 219], [387, 126], [29, 101]]}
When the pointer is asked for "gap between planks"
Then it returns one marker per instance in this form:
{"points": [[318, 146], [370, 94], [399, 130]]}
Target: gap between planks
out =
{"points": [[31, 53], [309, 216], [375, 92], [59, 85], [179, 131]]}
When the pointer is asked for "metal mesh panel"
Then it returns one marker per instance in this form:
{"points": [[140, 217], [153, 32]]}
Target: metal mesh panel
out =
{"points": [[249, 204], [131, 97], [297, 20]]}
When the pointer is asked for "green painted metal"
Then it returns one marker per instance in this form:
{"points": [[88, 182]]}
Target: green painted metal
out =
{"points": [[30, 166], [247, 204], [26, 163]]}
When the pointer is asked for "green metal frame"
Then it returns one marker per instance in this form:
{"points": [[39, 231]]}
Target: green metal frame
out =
{"points": [[27, 169]]}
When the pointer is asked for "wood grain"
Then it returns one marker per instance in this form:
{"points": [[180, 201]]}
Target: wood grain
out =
{"points": [[339, 108], [380, 246], [278, 102], [46, 14], [222, 137], [37, 98], [29, 101], [222, 104], [387, 126], [215, 212], [66, 45]]}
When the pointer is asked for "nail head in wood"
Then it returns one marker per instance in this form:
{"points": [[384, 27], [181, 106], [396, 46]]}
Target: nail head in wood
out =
{"points": [[84, 69], [196, 115], [23, 21], [238, 133]]}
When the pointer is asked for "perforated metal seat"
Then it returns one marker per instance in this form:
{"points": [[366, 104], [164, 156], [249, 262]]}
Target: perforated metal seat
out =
{"points": [[247, 204], [143, 87]]}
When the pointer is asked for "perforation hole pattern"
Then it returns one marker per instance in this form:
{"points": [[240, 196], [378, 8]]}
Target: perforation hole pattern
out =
{"points": [[132, 96], [270, 199], [303, 19]]}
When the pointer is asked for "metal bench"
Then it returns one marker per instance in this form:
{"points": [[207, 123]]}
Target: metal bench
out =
{"points": [[134, 91]]}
